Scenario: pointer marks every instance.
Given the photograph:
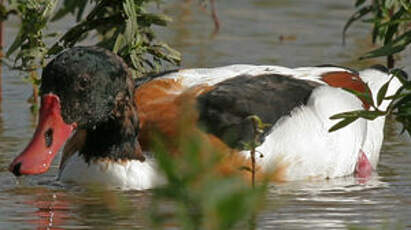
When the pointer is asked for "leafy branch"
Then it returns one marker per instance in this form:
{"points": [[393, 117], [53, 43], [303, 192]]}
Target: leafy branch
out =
{"points": [[399, 106], [391, 20], [123, 26]]}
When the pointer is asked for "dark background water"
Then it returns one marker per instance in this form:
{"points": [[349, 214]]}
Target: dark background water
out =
{"points": [[281, 32]]}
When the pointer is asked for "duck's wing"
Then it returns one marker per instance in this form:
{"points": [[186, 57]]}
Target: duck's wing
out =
{"points": [[225, 110]]}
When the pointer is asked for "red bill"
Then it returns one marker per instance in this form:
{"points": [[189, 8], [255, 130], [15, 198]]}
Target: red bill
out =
{"points": [[50, 135]]}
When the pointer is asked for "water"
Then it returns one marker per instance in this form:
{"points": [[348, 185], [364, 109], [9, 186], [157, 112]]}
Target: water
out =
{"points": [[282, 32]]}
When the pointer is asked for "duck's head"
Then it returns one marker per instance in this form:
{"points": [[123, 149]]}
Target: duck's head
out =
{"points": [[83, 88]]}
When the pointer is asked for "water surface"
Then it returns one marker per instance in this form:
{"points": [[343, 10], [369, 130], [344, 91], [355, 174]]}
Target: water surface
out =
{"points": [[282, 32]]}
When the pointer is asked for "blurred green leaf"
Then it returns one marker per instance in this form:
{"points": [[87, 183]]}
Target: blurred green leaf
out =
{"points": [[356, 16], [245, 168], [18, 41], [70, 7], [393, 26], [359, 3]]}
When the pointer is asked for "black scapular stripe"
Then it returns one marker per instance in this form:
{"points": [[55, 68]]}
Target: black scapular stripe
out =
{"points": [[338, 66], [225, 109]]}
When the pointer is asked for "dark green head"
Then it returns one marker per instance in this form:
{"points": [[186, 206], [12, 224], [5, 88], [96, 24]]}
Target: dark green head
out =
{"points": [[90, 82]]}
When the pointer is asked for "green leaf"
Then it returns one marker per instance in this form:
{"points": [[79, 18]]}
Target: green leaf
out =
{"points": [[405, 4], [382, 92], [393, 26], [356, 16], [359, 3], [366, 96], [391, 48], [18, 41], [120, 42], [342, 124], [401, 75], [376, 31], [369, 115]]}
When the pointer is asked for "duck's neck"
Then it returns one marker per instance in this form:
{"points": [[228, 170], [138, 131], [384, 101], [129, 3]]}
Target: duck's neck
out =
{"points": [[115, 139]]}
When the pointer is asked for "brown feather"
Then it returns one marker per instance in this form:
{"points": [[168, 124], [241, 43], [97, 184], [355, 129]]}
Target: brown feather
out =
{"points": [[348, 81]]}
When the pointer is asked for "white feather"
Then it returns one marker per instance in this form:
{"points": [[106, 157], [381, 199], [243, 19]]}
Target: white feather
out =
{"points": [[212, 76], [125, 175], [301, 142]]}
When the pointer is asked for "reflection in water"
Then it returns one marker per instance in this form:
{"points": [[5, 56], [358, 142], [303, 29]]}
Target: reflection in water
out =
{"points": [[91, 208], [52, 211], [40, 208], [250, 33]]}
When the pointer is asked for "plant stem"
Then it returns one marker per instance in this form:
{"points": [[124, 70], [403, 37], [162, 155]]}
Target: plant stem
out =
{"points": [[253, 167], [35, 96], [255, 131], [215, 17], [390, 61]]}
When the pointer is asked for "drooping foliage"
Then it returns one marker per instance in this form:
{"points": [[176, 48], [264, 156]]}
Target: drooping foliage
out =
{"points": [[391, 28], [125, 27]]}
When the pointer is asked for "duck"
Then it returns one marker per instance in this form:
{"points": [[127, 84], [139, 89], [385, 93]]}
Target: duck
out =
{"points": [[101, 119]]}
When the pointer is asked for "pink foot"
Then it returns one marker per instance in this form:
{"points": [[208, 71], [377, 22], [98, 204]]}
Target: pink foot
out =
{"points": [[363, 168]]}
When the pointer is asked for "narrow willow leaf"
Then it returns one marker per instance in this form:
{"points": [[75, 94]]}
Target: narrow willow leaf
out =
{"points": [[393, 26], [18, 41], [396, 96], [345, 115], [359, 3], [342, 124], [356, 16], [369, 115], [120, 42], [375, 32], [382, 92], [406, 4], [401, 75], [391, 48], [366, 96]]}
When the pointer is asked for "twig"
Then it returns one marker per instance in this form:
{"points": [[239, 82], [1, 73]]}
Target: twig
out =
{"points": [[252, 152], [215, 17]]}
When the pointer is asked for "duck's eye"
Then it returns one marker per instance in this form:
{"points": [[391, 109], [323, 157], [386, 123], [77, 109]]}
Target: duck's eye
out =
{"points": [[83, 82], [49, 137]]}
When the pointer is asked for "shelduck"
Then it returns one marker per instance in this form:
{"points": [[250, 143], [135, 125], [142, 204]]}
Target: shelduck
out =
{"points": [[91, 106]]}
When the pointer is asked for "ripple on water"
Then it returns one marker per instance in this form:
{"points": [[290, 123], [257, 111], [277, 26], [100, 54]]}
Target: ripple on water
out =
{"points": [[251, 32]]}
